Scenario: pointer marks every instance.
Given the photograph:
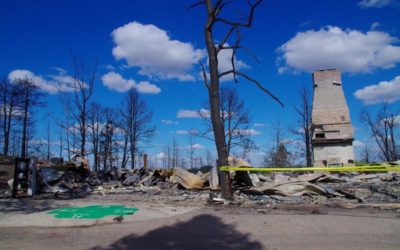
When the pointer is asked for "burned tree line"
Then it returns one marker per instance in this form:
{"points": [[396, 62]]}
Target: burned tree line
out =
{"points": [[383, 128], [19, 99], [110, 136]]}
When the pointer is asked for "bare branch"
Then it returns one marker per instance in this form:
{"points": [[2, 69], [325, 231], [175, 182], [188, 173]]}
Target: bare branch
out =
{"points": [[249, 18], [204, 75], [227, 35], [195, 5], [220, 6], [216, 6], [248, 51], [239, 37], [253, 81]]}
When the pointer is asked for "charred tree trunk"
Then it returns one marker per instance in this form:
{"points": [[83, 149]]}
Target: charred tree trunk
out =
{"points": [[213, 94], [25, 128]]}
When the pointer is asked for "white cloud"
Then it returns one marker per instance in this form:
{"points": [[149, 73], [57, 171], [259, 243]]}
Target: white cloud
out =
{"points": [[397, 120], [358, 144], [225, 63], [194, 146], [246, 132], [186, 132], [385, 91], [293, 142], [197, 146], [54, 84], [146, 87], [260, 125], [375, 25], [109, 67], [60, 71], [116, 82], [186, 113], [160, 155], [375, 3], [169, 122], [152, 50], [331, 47]]}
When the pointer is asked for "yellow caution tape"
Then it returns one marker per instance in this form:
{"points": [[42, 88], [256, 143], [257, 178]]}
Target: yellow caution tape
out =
{"points": [[379, 168]]}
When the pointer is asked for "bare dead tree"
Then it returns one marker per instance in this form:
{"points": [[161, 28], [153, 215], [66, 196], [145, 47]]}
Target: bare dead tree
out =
{"points": [[107, 139], [11, 114], [191, 133], [382, 129], [235, 118], [175, 153], [136, 117], [84, 80], [65, 125], [367, 155], [48, 135], [303, 126], [61, 143], [96, 119], [278, 155], [212, 78], [125, 158], [31, 97], [209, 159], [10, 100]]}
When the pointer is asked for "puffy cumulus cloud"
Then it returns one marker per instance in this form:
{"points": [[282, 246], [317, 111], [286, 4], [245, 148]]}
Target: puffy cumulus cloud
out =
{"points": [[115, 81], [385, 91], [375, 3], [152, 50], [332, 47], [53, 84], [187, 113], [146, 87]]}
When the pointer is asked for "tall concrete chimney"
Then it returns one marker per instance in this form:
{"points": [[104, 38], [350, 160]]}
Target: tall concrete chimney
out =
{"points": [[332, 132]]}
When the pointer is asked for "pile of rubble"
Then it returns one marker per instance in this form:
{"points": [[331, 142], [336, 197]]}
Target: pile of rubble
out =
{"points": [[61, 180], [74, 178]]}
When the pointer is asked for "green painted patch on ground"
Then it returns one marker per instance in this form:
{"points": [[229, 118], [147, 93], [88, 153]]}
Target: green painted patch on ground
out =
{"points": [[92, 212]]}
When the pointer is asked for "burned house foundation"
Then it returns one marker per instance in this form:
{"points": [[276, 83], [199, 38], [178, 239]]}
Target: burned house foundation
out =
{"points": [[332, 132]]}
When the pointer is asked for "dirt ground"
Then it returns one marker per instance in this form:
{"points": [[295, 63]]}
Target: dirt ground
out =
{"points": [[206, 226]]}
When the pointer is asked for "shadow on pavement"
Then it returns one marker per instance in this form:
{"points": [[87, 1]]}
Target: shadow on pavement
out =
{"points": [[201, 232]]}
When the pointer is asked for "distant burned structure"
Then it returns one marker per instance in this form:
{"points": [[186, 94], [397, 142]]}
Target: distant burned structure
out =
{"points": [[332, 132]]}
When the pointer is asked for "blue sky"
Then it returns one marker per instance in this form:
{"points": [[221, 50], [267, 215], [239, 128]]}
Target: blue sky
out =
{"points": [[155, 45]]}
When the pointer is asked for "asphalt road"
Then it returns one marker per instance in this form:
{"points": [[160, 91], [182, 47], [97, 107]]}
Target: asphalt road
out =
{"points": [[222, 228]]}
